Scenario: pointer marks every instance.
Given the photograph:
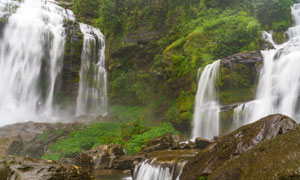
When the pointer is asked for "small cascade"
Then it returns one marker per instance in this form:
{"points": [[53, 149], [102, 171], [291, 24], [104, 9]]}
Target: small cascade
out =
{"points": [[92, 96], [207, 108], [153, 170], [279, 85]]}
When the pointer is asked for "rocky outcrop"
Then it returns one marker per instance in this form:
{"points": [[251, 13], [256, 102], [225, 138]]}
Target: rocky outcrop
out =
{"points": [[101, 157], [252, 59], [31, 139], [17, 168], [167, 141], [234, 144], [276, 159]]}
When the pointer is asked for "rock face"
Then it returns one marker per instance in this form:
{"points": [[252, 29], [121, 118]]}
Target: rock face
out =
{"points": [[31, 139], [234, 144], [17, 168], [102, 157], [167, 141], [249, 58], [277, 159]]}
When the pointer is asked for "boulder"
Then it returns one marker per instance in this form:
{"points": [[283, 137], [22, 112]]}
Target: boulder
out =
{"points": [[127, 162], [276, 159], [201, 143], [234, 144], [102, 157], [12, 168], [166, 141]]}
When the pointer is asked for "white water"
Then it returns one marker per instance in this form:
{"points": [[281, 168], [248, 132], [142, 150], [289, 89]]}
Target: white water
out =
{"points": [[207, 109], [92, 96], [278, 90], [33, 34], [151, 170]]}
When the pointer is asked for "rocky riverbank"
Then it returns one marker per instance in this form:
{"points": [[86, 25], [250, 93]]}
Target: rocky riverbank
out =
{"points": [[232, 156]]}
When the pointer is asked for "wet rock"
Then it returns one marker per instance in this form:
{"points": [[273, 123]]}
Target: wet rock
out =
{"points": [[201, 143], [167, 141], [31, 139], [249, 58], [12, 168], [234, 144], [276, 159], [187, 145], [127, 162], [102, 157]]}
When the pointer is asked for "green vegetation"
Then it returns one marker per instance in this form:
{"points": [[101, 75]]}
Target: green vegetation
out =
{"points": [[132, 135], [136, 143], [203, 178], [88, 137], [236, 84], [154, 49]]}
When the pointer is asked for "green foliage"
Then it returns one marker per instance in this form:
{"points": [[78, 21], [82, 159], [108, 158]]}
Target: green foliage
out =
{"points": [[132, 128], [88, 137], [181, 109], [136, 143], [215, 38], [203, 178], [236, 84]]}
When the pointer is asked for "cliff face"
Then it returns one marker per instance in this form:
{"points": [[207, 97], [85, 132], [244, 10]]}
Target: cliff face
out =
{"points": [[154, 50]]}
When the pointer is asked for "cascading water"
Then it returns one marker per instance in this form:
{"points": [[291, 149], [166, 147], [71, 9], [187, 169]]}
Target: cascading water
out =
{"points": [[33, 36], [278, 89], [206, 114], [152, 170], [31, 58], [92, 96]]}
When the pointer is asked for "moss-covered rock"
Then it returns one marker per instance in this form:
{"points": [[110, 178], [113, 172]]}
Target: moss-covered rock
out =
{"points": [[238, 77], [277, 158], [234, 144]]}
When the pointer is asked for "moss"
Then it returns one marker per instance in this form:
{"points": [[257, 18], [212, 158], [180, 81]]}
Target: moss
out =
{"points": [[226, 118], [277, 158], [181, 109], [279, 37], [236, 84]]}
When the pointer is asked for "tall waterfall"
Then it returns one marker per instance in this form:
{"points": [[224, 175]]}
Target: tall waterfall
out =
{"points": [[33, 39], [32, 49], [278, 89], [206, 114], [92, 96]]}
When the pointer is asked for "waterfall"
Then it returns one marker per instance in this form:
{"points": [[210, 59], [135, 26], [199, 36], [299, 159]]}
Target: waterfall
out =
{"points": [[278, 88], [206, 114], [92, 96], [153, 170], [31, 54]]}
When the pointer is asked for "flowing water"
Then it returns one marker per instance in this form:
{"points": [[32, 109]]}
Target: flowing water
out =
{"points": [[151, 170], [278, 89], [92, 96], [31, 58], [207, 108]]}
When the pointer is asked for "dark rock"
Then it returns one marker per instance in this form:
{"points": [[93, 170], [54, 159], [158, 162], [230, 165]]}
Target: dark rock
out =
{"points": [[201, 143], [276, 159], [102, 157], [167, 141], [234, 144], [248, 58], [29, 169], [127, 162]]}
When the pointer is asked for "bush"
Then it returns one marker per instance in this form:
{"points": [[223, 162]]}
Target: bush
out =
{"points": [[77, 141], [136, 143]]}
